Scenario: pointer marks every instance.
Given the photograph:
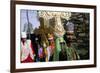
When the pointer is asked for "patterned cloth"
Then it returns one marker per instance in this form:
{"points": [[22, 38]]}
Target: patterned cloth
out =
{"points": [[27, 53]]}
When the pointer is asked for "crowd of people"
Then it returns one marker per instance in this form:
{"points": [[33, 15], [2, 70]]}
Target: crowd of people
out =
{"points": [[47, 47]]}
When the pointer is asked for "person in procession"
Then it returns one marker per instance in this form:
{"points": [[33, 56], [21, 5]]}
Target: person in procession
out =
{"points": [[27, 51]]}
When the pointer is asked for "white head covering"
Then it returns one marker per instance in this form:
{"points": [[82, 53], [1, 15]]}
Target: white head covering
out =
{"points": [[23, 35], [70, 27]]}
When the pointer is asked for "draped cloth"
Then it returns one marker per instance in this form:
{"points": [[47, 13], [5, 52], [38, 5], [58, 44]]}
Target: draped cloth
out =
{"points": [[71, 53], [58, 47], [27, 53]]}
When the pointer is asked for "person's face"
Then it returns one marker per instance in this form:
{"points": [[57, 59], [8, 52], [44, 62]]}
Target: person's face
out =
{"points": [[51, 41], [23, 39], [69, 37]]}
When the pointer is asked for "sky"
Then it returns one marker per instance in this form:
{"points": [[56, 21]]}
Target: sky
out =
{"points": [[33, 18]]}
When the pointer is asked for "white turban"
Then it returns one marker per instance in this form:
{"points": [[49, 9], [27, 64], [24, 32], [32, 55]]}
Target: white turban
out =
{"points": [[23, 35]]}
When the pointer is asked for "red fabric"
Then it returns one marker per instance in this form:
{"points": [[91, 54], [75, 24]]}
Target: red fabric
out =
{"points": [[29, 59], [32, 48]]}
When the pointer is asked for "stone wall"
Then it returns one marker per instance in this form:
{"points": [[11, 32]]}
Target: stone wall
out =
{"points": [[81, 29]]}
